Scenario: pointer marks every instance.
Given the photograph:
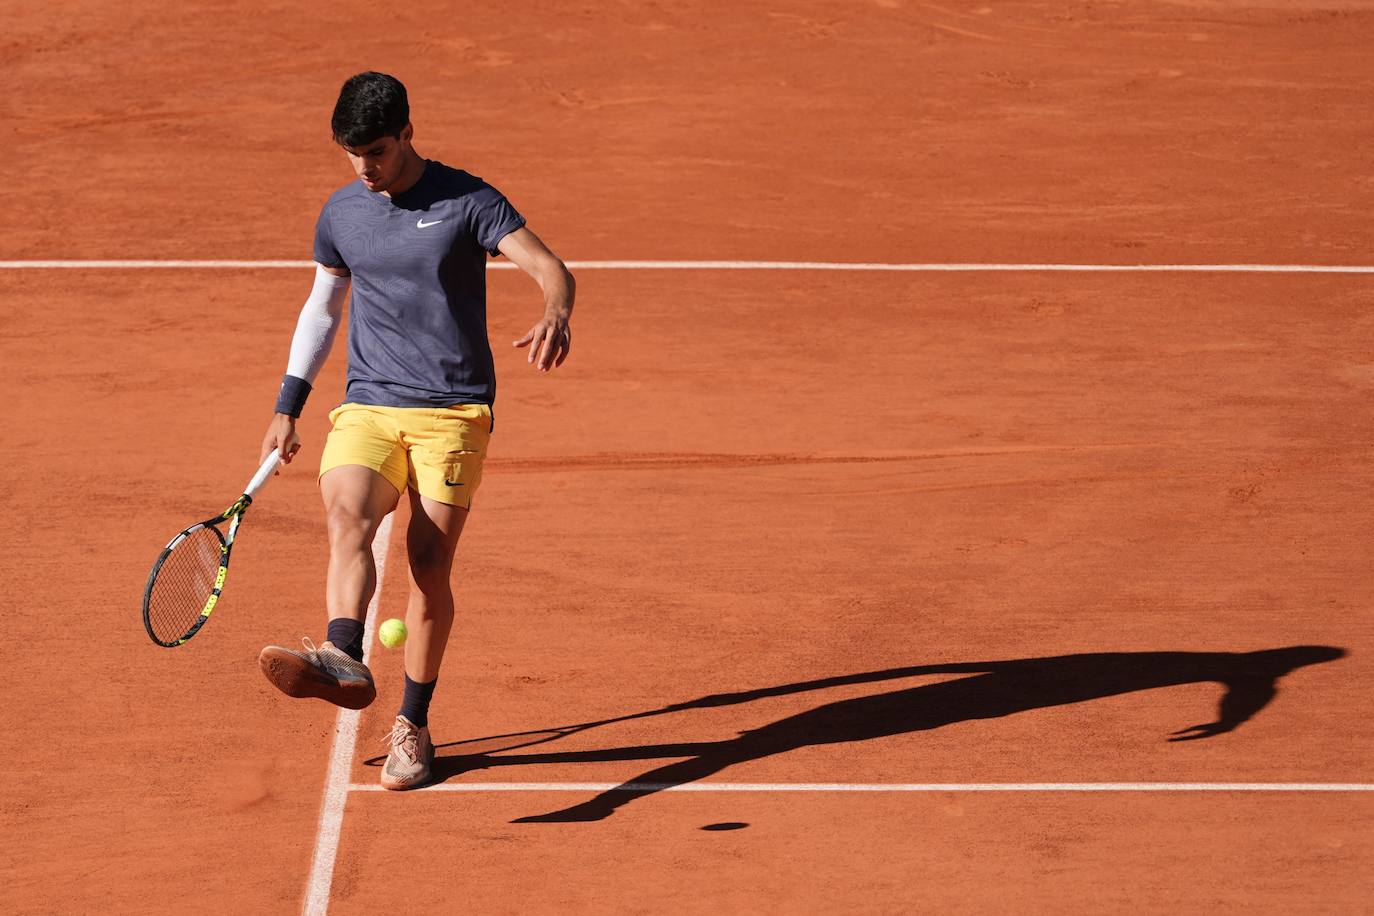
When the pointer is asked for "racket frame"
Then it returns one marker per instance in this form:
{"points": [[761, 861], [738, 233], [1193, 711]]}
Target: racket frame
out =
{"points": [[233, 515]]}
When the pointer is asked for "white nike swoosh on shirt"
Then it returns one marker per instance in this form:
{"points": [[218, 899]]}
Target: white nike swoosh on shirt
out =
{"points": [[421, 224]]}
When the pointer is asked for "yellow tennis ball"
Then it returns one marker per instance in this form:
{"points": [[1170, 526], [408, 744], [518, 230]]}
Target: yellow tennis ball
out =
{"points": [[392, 632]]}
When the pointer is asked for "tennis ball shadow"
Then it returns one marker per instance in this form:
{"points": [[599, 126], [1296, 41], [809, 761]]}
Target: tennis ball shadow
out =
{"points": [[726, 825]]}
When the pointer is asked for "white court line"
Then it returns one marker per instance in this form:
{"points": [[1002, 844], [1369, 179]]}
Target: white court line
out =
{"points": [[336, 785], [888, 787], [744, 265]]}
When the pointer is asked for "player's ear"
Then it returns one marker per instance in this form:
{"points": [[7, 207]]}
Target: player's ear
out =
{"points": [[407, 132]]}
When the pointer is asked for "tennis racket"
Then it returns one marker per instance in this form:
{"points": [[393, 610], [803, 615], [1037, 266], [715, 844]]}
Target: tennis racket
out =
{"points": [[189, 574]]}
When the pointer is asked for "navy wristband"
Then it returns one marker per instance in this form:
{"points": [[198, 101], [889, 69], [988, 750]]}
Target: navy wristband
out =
{"points": [[291, 397]]}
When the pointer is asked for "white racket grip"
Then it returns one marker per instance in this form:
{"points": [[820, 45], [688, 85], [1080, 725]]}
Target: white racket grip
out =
{"points": [[263, 475]]}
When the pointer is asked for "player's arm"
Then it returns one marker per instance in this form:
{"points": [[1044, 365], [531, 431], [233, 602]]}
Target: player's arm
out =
{"points": [[550, 339], [315, 330]]}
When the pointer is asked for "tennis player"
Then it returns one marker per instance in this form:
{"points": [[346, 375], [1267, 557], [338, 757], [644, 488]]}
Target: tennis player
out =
{"points": [[412, 237]]}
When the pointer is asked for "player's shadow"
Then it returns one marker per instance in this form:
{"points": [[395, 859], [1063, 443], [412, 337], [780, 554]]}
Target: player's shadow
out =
{"points": [[994, 689]]}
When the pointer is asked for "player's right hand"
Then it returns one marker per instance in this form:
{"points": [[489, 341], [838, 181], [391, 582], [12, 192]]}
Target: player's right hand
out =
{"points": [[281, 435]]}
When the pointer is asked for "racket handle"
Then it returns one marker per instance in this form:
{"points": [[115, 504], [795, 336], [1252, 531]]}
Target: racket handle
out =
{"points": [[263, 475]]}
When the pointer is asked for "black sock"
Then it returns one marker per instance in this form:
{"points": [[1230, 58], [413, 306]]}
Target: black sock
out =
{"points": [[347, 637], [415, 705]]}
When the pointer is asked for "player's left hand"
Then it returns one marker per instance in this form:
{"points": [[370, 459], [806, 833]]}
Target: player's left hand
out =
{"points": [[549, 342]]}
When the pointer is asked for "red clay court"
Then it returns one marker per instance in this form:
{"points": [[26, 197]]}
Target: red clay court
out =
{"points": [[878, 535]]}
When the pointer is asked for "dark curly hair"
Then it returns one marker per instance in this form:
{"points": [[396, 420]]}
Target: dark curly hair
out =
{"points": [[371, 106]]}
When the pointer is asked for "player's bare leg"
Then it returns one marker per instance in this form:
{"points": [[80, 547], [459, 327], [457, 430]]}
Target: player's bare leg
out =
{"points": [[356, 500], [431, 541]]}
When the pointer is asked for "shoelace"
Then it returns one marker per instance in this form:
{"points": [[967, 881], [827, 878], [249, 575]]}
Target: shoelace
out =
{"points": [[404, 739], [334, 660]]}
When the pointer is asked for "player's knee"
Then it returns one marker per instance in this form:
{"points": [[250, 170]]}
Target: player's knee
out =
{"points": [[348, 528], [430, 563]]}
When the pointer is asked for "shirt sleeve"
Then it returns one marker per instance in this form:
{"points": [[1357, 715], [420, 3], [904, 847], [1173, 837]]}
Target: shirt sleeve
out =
{"points": [[491, 218], [325, 251]]}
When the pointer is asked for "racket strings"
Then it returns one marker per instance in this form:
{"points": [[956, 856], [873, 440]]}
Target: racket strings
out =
{"points": [[184, 584]]}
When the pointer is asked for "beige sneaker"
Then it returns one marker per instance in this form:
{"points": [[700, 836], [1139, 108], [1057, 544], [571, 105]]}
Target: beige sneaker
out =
{"points": [[407, 763], [325, 672]]}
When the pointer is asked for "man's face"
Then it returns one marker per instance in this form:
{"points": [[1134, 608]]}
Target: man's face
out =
{"points": [[380, 162]]}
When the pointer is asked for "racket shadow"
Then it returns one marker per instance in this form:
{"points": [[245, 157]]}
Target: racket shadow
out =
{"points": [[992, 690]]}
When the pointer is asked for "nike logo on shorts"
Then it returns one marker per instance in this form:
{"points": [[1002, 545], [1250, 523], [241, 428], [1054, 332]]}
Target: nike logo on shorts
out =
{"points": [[452, 483], [421, 224]]}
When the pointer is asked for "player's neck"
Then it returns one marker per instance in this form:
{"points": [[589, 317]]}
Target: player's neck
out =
{"points": [[410, 173]]}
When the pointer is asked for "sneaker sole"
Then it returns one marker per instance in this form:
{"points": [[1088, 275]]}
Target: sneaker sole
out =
{"points": [[296, 677], [402, 786], [388, 782]]}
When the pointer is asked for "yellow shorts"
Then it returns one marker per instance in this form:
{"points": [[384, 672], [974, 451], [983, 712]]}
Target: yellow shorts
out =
{"points": [[438, 451]]}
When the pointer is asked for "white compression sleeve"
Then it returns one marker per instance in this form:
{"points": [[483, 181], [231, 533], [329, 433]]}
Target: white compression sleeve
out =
{"points": [[319, 322]]}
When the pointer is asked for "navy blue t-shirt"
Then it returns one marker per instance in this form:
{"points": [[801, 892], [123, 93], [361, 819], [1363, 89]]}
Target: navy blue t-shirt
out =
{"points": [[417, 334]]}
